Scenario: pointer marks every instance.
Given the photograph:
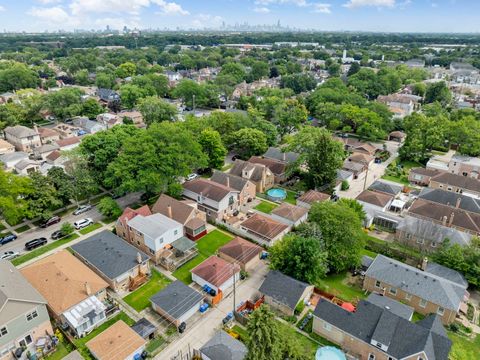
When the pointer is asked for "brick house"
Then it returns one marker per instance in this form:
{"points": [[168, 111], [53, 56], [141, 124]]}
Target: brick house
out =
{"points": [[259, 174], [465, 166], [246, 188], [456, 183], [422, 176]]}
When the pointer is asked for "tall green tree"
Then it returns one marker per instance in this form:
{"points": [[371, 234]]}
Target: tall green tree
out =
{"points": [[438, 91], [248, 142], [108, 207], [43, 197], [156, 110], [289, 116], [131, 94], [212, 146], [264, 341], [62, 183], [13, 193]]}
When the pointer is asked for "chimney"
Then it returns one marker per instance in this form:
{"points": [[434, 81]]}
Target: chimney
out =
{"points": [[457, 205], [139, 258], [450, 221], [228, 181], [424, 263], [88, 289], [284, 156], [169, 211], [35, 128], [444, 221]]}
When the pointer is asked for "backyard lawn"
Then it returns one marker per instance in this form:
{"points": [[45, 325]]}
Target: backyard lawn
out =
{"points": [[463, 348], [42, 250], [206, 246], [337, 284], [265, 207], [400, 175], [291, 199], [61, 351], [140, 298]]}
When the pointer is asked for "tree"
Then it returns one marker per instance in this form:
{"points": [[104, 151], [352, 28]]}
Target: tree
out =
{"points": [[84, 184], [131, 94], [67, 229], [65, 103], [354, 205], [212, 146], [154, 109], [11, 114], [289, 115], [91, 108], [339, 228], [62, 183], [159, 83], [188, 90], [109, 208], [248, 142], [438, 91], [264, 342], [322, 154], [126, 69], [105, 81], [236, 70], [43, 198], [298, 82], [300, 257], [13, 192], [354, 68], [17, 76], [419, 89], [260, 69]]}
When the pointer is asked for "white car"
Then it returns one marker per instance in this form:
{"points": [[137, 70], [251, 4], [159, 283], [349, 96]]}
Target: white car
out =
{"points": [[82, 208], [80, 224], [192, 177], [9, 255]]}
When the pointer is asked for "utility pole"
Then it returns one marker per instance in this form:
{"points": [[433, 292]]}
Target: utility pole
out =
{"points": [[234, 289], [193, 97], [366, 176]]}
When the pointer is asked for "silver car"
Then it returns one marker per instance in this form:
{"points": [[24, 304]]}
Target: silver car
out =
{"points": [[82, 208], [80, 224], [9, 255]]}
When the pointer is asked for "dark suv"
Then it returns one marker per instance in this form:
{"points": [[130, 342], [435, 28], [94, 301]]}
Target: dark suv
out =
{"points": [[33, 244], [51, 221]]}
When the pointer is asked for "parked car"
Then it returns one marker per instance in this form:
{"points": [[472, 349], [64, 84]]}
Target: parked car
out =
{"points": [[82, 208], [51, 221], [80, 224], [7, 239], [192, 177], [33, 244], [9, 255], [57, 235]]}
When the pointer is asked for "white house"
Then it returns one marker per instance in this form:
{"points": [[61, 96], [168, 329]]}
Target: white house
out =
{"points": [[9, 160]]}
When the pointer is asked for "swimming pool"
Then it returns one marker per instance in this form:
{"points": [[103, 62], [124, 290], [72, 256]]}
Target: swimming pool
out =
{"points": [[276, 194], [329, 353]]}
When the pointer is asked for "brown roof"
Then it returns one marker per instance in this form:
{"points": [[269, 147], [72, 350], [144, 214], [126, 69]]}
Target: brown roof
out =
{"points": [[374, 198], [208, 189], [435, 211], [195, 223], [426, 172], [181, 212], [62, 278], [275, 166], [241, 250], [68, 141], [290, 212], [46, 132], [215, 270], [460, 181], [361, 158], [397, 134], [54, 155], [129, 213], [264, 226], [117, 342], [257, 173], [312, 196], [357, 144]]}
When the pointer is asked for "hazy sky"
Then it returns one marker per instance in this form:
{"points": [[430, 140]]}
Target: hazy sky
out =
{"points": [[367, 15]]}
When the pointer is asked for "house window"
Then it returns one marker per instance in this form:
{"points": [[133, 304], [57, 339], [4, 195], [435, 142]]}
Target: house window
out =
{"points": [[32, 315], [420, 241], [449, 188], [25, 341], [408, 297], [423, 303], [440, 186], [393, 291], [371, 356], [175, 232], [409, 236], [161, 240], [378, 284], [3, 331], [151, 251], [327, 326], [433, 244], [440, 311]]}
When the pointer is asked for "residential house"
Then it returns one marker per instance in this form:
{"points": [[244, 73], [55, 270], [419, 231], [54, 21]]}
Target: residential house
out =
{"points": [[259, 174], [55, 158], [375, 204], [289, 214], [395, 307], [246, 188], [6, 147], [357, 163], [278, 168], [452, 199], [263, 229], [23, 313], [216, 200], [109, 120], [26, 167], [223, 346], [311, 197], [442, 292], [192, 219], [355, 145], [456, 183], [135, 116], [108, 96], [120, 264], [283, 292], [374, 332], [398, 136], [66, 130], [121, 226], [9, 160], [89, 126], [438, 162], [242, 252], [401, 104], [117, 342], [354, 168], [43, 151], [23, 138], [465, 166], [68, 143], [177, 302], [276, 153], [421, 176], [217, 273], [48, 136], [74, 293], [386, 187]]}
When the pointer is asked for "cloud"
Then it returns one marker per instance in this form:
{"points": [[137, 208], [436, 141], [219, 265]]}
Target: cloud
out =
{"points": [[52, 14], [322, 8], [49, 2], [107, 6], [301, 3], [2, 8], [170, 8], [377, 3], [261, 10], [206, 21]]}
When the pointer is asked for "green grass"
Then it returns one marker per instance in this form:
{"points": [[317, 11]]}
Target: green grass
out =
{"points": [[22, 229], [155, 344], [242, 332], [2, 227], [140, 298], [336, 284], [206, 246], [401, 176], [90, 228], [61, 351], [265, 207], [417, 317], [80, 343], [368, 253], [42, 250], [463, 348], [308, 345], [291, 199], [227, 166], [398, 179]]}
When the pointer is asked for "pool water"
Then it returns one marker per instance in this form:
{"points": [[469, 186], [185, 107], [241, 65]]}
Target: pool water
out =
{"points": [[276, 194], [329, 353]]}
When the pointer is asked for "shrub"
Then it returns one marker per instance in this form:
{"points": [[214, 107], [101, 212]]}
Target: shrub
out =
{"points": [[299, 308], [345, 185]]}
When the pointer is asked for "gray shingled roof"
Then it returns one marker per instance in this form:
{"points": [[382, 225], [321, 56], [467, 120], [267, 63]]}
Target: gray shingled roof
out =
{"points": [[235, 182], [144, 328], [403, 337], [430, 287], [386, 187], [20, 131], [224, 347], [393, 306], [176, 299], [109, 254], [450, 198], [284, 289], [277, 154]]}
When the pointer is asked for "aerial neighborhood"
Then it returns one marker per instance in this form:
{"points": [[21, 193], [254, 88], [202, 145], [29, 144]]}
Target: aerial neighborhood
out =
{"points": [[245, 197]]}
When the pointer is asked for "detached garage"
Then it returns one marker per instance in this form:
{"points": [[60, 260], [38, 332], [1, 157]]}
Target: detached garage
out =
{"points": [[217, 273]]}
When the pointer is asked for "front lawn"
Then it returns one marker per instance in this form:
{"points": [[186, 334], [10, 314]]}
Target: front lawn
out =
{"points": [[42, 250], [265, 207], [463, 348], [338, 285], [207, 246], [140, 298], [90, 228]]}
